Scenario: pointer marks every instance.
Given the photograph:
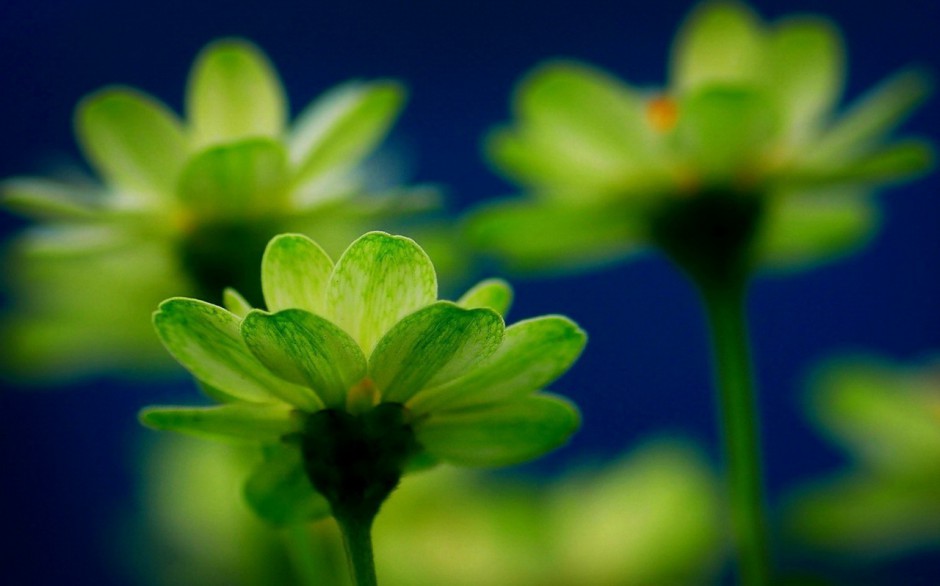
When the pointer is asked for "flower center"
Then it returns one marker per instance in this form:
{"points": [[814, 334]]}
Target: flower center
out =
{"points": [[662, 113]]}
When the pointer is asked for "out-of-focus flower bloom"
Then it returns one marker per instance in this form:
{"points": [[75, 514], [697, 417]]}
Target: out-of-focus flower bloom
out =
{"points": [[743, 145], [358, 373], [187, 205], [888, 418], [652, 517]]}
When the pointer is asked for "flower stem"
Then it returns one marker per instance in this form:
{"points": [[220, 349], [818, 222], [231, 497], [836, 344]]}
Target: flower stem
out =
{"points": [[725, 306], [357, 537]]}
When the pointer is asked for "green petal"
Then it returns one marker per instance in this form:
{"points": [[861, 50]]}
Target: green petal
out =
{"points": [[376, 282], [235, 302], [279, 491], [547, 236], [48, 199], [294, 274], [891, 163], [132, 140], [206, 340], [872, 118], [343, 126], [723, 129], [239, 179], [249, 422], [432, 346], [806, 72], [807, 229], [234, 93], [500, 435], [306, 349], [493, 293], [720, 42], [534, 353]]}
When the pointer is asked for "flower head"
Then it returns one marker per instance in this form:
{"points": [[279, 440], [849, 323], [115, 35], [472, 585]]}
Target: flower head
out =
{"points": [[187, 206], [358, 372], [743, 142]]}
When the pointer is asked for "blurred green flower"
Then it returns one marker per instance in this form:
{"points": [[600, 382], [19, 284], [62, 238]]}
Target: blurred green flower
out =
{"points": [[887, 417], [187, 205], [740, 155], [357, 372], [651, 517]]}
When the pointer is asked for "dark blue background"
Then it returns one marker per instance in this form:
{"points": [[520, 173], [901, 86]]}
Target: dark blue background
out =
{"points": [[66, 454]]}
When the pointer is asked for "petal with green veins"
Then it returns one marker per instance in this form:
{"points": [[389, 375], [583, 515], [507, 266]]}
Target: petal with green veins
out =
{"points": [[236, 421], [722, 129], [234, 93], [534, 353], [236, 179], [206, 340], [815, 227], [49, 199], [279, 491], [376, 282], [295, 272], [499, 435], [132, 140], [306, 349], [343, 126], [432, 346], [871, 119], [549, 237], [493, 293], [890, 163], [720, 42], [805, 69], [235, 302]]}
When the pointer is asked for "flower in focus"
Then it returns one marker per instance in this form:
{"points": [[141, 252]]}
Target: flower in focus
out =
{"points": [[741, 155], [357, 372], [888, 418], [187, 206]]}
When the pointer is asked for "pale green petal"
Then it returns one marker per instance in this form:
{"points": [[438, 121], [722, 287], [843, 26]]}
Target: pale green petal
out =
{"points": [[890, 163], [723, 129], [376, 282], [801, 230], [238, 421], [206, 340], [295, 272], [279, 491], [343, 126], [235, 302], [432, 346], [871, 119], [234, 93], [493, 293], [306, 349], [500, 435], [805, 72], [132, 140], [235, 180], [549, 237], [47, 199], [534, 353], [720, 42]]}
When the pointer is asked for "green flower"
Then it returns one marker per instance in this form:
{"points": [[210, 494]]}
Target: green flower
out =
{"points": [[187, 205], [887, 417], [742, 146], [357, 372]]}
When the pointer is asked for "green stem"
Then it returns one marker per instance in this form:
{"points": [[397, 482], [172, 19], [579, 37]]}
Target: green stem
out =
{"points": [[726, 306], [357, 537], [300, 549]]}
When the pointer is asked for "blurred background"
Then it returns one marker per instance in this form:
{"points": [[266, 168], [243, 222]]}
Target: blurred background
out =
{"points": [[70, 454]]}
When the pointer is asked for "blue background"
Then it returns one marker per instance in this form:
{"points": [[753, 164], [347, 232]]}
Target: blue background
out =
{"points": [[67, 470]]}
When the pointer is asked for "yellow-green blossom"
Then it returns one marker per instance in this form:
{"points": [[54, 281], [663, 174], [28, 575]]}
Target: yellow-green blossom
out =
{"points": [[187, 205], [743, 145], [887, 417], [358, 372]]}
